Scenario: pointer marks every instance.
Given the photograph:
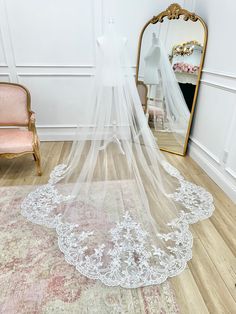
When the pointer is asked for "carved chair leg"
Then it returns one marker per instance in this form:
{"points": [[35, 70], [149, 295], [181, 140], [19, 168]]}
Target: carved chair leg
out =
{"points": [[38, 163]]}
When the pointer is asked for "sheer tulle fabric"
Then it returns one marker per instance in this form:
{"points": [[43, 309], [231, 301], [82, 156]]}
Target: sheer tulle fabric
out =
{"points": [[174, 105], [120, 210]]}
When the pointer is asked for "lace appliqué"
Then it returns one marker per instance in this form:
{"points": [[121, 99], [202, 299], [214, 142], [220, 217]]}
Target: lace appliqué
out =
{"points": [[40, 206], [196, 199], [131, 260]]}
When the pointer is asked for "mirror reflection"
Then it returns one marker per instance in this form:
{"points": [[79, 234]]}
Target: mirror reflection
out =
{"points": [[170, 58]]}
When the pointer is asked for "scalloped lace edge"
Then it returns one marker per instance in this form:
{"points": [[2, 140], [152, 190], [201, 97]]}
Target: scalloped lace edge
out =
{"points": [[144, 275]]}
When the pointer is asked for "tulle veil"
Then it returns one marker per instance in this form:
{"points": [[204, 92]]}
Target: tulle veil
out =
{"points": [[121, 212], [174, 105]]}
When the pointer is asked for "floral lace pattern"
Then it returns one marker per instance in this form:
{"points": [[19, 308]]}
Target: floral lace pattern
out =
{"points": [[130, 259], [32, 283]]}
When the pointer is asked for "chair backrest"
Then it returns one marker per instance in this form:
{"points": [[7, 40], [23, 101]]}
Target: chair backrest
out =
{"points": [[14, 105], [142, 91]]}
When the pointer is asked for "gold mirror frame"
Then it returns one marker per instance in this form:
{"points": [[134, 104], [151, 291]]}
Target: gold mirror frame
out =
{"points": [[173, 12]]}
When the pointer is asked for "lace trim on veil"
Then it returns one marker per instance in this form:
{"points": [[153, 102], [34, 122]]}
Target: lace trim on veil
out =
{"points": [[133, 261]]}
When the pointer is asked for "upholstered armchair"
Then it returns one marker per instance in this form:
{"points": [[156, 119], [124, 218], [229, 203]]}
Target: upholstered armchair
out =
{"points": [[18, 134], [153, 113]]}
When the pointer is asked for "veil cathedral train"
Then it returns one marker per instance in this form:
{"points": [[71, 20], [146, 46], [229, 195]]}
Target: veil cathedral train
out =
{"points": [[120, 210]]}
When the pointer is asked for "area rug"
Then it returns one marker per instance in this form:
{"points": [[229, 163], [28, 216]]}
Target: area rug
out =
{"points": [[35, 279]]}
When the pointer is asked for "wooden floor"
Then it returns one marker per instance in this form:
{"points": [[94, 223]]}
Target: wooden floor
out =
{"points": [[168, 141], [208, 285]]}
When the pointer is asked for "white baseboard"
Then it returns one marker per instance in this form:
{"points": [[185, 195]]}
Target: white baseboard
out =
{"points": [[213, 169], [60, 133], [56, 133]]}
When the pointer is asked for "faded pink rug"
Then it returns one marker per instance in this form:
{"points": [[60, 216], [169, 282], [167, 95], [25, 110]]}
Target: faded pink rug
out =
{"points": [[35, 278]]}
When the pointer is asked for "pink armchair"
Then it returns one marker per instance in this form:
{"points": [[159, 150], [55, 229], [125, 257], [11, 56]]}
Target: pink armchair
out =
{"points": [[18, 134]]}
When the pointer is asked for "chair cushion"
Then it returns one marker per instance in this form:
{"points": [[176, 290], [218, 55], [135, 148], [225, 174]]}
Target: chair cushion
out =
{"points": [[156, 111], [13, 105], [15, 141]]}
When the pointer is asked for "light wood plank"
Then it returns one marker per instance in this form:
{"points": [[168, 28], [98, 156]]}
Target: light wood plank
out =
{"points": [[188, 296], [219, 253], [213, 289]]}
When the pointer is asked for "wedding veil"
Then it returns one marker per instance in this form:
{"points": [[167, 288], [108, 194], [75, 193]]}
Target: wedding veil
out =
{"points": [[120, 210], [167, 89], [177, 110]]}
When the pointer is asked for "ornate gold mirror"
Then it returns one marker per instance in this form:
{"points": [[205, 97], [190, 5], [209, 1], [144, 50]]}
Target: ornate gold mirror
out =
{"points": [[171, 52]]}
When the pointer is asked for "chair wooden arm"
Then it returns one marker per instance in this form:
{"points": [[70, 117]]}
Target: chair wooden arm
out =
{"points": [[32, 121], [36, 142]]}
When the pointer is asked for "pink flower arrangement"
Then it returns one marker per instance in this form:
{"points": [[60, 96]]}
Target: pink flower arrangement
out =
{"points": [[182, 67]]}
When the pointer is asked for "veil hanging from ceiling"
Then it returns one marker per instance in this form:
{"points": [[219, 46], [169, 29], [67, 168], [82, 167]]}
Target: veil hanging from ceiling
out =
{"points": [[120, 210], [174, 105]]}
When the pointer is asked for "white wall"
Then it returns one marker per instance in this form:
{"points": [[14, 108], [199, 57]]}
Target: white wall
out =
{"points": [[213, 136], [49, 46]]}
